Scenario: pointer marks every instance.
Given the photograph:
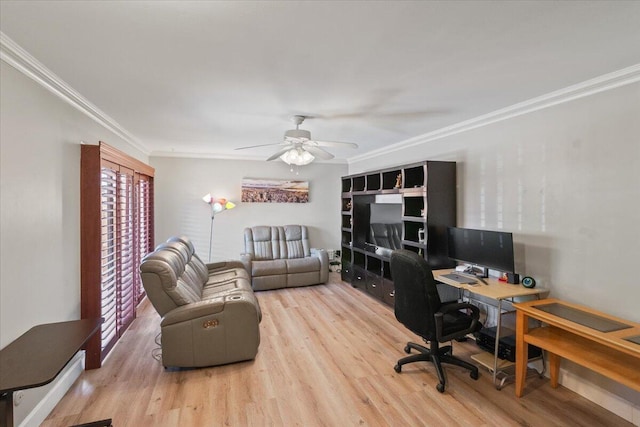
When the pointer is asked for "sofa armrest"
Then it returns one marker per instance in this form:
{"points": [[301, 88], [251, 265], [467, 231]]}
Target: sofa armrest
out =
{"points": [[246, 259], [193, 311], [324, 263], [223, 265]]}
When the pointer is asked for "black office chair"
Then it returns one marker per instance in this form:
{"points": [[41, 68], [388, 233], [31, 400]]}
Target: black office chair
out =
{"points": [[418, 307]]}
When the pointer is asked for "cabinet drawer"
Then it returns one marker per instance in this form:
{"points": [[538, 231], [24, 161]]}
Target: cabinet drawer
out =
{"points": [[388, 292], [346, 273], [359, 279], [374, 285]]}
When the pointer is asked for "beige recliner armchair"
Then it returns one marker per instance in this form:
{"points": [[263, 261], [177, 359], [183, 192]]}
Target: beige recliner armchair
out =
{"points": [[281, 257], [209, 313]]}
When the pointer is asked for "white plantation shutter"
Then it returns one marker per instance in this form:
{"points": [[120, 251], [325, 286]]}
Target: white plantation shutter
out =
{"points": [[144, 196], [117, 232], [108, 258]]}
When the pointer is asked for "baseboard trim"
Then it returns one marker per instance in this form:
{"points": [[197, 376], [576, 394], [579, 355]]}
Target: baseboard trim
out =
{"points": [[600, 396], [59, 388]]}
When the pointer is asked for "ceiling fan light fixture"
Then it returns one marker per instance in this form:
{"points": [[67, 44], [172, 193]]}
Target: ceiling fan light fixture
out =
{"points": [[297, 156], [297, 134]]}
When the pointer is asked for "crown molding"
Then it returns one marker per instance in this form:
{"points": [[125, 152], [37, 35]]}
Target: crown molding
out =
{"points": [[587, 88], [21, 60], [203, 155]]}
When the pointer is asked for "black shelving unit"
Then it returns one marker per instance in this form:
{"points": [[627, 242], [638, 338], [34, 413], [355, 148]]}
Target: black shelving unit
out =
{"points": [[428, 191]]}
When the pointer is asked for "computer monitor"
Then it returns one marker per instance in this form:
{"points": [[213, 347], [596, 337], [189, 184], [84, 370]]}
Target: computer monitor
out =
{"points": [[491, 249]]}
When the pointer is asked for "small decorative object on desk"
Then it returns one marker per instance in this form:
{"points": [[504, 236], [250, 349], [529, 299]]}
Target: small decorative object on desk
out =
{"points": [[398, 181]]}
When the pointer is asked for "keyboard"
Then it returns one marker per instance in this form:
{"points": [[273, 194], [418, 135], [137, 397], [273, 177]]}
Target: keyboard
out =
{"points": [[459, 278]]}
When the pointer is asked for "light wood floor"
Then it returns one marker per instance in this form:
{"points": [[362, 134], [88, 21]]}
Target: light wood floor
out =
{"points": [[326, 359]]}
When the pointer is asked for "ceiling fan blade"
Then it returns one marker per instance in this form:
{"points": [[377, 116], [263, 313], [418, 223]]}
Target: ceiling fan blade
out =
{"points": [[280, 153], [318, 152], [336, 144], [256, 146]]}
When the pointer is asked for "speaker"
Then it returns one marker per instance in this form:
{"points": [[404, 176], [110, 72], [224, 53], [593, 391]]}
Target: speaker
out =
{"points": [[513, 278]]}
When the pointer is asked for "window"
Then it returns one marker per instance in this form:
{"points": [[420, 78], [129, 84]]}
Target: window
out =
{"points": [[116, 233]]}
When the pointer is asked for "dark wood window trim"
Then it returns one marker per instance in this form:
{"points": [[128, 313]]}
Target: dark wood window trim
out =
{"points": [[116, 204]]}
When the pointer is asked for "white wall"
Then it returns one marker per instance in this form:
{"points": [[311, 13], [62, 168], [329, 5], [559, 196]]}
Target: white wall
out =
{"points": [[566, 181], [180, 184], [40, 208]]}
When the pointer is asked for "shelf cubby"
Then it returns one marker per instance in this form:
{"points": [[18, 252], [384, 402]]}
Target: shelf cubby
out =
{"points": [[346, 185], [358, 183], [390, 179], [414, 177], [373, 182], [413, 206]]}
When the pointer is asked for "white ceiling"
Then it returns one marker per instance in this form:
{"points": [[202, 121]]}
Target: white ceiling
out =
{"points": [[204, 77]]}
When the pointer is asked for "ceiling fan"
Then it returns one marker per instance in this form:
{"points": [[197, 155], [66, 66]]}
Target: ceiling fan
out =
{"points": [[299, 149]]}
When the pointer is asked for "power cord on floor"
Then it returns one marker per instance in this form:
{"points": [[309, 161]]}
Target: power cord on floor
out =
{"points": [[156, 353]]}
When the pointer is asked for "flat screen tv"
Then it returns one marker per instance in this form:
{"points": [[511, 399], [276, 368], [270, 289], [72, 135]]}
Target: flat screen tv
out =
{"points": [[491, 249]]}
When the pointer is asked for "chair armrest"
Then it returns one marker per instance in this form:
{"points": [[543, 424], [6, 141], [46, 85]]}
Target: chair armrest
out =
{"points": [[451, 308], [193, 311], [324, 263], [457, 306]]}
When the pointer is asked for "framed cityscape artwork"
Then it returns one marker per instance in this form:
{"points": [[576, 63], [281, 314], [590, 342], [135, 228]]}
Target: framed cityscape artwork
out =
{"points": [[255, 190]]}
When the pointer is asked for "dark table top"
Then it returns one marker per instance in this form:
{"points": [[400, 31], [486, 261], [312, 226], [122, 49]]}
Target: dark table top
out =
{"points": [[38, 355]]}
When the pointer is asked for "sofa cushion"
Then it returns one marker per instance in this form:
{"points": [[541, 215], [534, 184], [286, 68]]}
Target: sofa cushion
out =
{"points": [[297, 241], [303, 265], [268, 268]]}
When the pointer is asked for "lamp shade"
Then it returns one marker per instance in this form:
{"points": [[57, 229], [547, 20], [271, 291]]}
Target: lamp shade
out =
{"points": [[297, 156], [217, 205]]}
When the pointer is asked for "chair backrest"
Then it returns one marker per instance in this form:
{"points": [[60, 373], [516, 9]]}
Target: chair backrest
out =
{"points": [[282, 242], [386, 235], [416, 295]]}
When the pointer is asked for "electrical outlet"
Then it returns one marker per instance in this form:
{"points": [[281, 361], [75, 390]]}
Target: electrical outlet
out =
{"points": [[17, 398]]}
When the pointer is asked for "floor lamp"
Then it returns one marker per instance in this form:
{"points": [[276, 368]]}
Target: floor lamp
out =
{"points": [[217, 206]]}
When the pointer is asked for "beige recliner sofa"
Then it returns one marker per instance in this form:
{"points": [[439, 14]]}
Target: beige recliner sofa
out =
{"points": [[281, 257], [209, 313]]}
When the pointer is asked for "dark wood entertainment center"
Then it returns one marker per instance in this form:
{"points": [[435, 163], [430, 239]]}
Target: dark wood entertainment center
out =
{"points": [[428, 192]]}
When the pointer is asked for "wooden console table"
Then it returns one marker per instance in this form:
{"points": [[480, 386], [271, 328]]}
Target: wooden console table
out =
{"points": [[603, 343], [37, 357]]}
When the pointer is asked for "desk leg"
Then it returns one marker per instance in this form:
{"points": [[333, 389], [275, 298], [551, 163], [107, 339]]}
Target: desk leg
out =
{"points": [[522, 351], [6, 410], [497, 343]]}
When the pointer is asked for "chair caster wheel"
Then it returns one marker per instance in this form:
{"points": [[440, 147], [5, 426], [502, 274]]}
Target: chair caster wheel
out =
{"points": [[440, 387], [474, 375], [407, 349], [397, 368]]}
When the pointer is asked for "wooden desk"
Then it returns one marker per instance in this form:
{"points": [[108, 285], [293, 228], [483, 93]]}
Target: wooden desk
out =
{"points": [[607, 353], [498, 291], [38, 356]]}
